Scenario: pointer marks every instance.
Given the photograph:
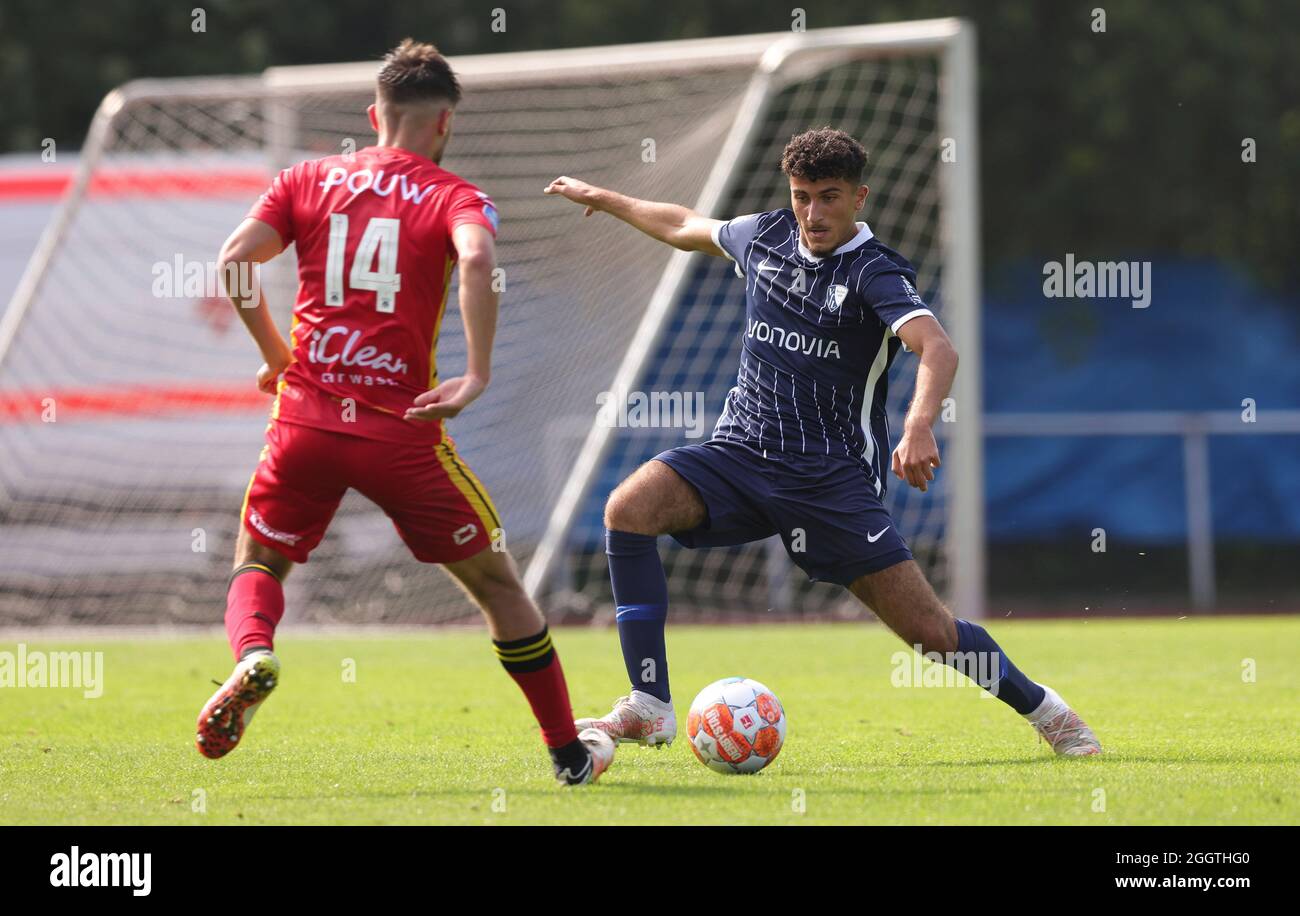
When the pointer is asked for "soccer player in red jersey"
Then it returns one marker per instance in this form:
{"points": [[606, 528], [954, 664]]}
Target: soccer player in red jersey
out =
{"points": [[358, 400]]}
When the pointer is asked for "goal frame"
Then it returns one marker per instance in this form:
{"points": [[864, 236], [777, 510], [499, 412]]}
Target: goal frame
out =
{"points": [[950, 40]]}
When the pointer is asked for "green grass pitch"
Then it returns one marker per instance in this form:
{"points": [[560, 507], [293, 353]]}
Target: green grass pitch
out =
{"points": [[433, 731]]}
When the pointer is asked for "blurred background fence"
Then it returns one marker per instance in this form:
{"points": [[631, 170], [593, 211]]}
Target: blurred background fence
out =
{"points": [[1171, 137]]}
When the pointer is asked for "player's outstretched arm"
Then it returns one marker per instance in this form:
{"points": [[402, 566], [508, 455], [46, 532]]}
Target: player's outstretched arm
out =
{"points": [[253, 243], [671, 224], [917, 452], [476, 259]]}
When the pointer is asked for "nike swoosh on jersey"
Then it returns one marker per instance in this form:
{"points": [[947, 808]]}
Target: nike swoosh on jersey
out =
{"points": [[872, 538]]}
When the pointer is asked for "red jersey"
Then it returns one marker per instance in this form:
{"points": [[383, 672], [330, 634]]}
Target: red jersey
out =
{"points": [[375, 258]]}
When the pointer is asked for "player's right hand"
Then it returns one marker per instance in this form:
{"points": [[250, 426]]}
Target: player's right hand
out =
{"points": [[577, 191], [268, 377], [917, 453]]}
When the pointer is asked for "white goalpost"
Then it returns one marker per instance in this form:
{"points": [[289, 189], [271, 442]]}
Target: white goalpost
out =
{"points": [[128, 423]]}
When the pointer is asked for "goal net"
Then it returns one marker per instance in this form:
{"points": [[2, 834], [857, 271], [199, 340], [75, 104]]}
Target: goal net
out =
{"points": [[129, 422]]}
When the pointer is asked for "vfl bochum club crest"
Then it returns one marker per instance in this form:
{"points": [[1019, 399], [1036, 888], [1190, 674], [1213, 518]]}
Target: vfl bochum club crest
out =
{"points": [[835, 297]]}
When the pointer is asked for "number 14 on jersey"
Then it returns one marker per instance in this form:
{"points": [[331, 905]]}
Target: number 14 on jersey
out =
{"points": [[378, 241]]}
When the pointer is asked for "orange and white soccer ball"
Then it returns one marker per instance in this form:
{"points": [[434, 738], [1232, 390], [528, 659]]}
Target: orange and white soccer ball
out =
{"points": [[736, 725]]}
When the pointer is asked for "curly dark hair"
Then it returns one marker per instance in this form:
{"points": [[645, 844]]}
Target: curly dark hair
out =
{"points": [[824, 152], [415, 72]]}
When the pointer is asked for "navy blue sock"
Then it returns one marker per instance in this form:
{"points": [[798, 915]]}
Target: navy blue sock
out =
{"points": [[991, 669], [641, 593]]}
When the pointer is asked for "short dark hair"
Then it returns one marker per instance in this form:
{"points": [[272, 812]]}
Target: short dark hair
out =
{"points": [[824, 152], [414, 71]]}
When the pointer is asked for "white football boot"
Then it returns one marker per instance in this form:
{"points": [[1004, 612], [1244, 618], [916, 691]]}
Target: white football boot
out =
{"points": [[1061, 727], [637, 719]]}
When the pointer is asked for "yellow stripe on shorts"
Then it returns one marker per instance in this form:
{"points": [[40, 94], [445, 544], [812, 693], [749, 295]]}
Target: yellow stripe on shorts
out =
{"points": [[470, 487]]}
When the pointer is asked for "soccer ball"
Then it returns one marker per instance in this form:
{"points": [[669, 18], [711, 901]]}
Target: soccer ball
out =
{"points": [[736, 725]]}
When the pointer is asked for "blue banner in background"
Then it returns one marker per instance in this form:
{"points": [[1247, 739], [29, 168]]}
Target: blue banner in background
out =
{"points": [[1208, 340]]}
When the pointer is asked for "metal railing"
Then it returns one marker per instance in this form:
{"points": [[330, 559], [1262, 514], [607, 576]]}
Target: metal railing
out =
{"points": [[1195, 429]]}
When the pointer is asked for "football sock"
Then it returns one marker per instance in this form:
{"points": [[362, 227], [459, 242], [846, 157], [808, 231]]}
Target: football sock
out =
{"points": [[641, 595], [996, 673], [254, 606], [535, 667]]}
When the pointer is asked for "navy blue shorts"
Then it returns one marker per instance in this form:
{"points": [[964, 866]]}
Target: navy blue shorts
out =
{"points": [[824, 507]]}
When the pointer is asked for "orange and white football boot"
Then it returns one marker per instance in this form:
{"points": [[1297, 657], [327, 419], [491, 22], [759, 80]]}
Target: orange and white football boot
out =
{"points": [[640, 718], [225, 716]]}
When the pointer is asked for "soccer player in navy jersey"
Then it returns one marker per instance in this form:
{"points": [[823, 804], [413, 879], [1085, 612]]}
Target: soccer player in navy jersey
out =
{"points": [[800, 447]]}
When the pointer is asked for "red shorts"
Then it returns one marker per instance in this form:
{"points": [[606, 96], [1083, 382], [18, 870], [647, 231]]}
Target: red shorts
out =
{"points": [[436, 503]]}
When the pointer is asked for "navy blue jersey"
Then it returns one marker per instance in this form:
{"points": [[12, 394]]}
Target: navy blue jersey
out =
{"points": [[819, 337]]}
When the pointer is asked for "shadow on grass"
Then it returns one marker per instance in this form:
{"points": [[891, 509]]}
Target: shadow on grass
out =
{"points": [[1113, 757], [622, 790]]}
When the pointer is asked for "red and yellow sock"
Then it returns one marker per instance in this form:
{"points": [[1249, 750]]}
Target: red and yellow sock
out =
{"points": [[535, 667]]}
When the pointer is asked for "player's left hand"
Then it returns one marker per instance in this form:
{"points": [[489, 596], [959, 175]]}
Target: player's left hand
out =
{"points": [[448, 399], [917, 453], [579, 192]]}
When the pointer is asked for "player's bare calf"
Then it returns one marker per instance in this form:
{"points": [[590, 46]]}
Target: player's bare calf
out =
{"points": [[491, 580], [903, 599]]}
